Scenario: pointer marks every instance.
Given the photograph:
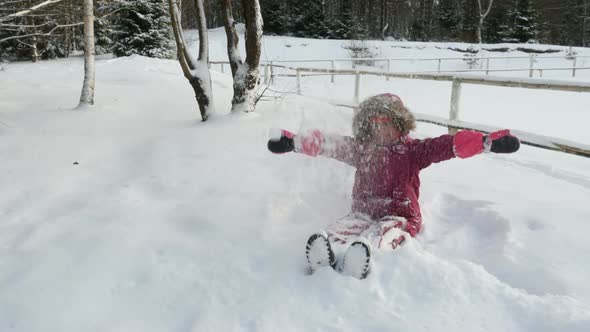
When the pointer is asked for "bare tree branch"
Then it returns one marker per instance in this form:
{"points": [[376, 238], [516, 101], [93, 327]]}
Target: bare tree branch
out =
{"points": [[483, 16], [260, 95], [6, 2], [24, 26], [29, 10], [22, 42], [45, 34]]}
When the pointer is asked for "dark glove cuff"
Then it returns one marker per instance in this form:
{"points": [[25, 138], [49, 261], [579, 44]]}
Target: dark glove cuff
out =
{"points": [[283, 145]]}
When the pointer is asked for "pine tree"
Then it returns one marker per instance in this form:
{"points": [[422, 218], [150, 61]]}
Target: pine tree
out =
{"points": [[494, 28], [525, 26], [103, 31], [470, 21], [344, 25], [521, 26], [143, 28], [310, 19], [449, 19], [274, 15]]}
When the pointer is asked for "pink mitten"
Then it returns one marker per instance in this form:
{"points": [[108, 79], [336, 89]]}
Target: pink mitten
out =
{"points": [[309, 143], [468, 143]]}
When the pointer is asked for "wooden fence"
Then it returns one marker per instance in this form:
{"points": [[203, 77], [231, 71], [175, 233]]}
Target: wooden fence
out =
{"points": [[453, 122], [532, 59]]}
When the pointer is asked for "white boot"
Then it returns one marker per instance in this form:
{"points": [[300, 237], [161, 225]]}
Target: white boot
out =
{"points": [[357, 259], [318, 251]]}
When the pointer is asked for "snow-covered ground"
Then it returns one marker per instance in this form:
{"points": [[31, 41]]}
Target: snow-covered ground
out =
{"points": [[170, 224]]}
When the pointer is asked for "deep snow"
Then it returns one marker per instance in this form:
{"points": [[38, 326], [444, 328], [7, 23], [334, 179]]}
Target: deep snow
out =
{"points": [[170, 224]]}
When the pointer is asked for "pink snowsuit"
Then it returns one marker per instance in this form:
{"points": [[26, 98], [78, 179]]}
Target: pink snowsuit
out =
{"points": [[387, 183]]}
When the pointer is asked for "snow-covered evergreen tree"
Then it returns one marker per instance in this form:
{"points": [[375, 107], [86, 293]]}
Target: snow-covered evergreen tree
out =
{"points": [[525, 25], [276, 18], [143, 27], [310, 20], [103, 28], [521, 26], [449, 19]]}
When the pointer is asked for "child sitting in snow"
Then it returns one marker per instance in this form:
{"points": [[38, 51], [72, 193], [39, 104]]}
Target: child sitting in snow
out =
{"points": [[387, 184]]}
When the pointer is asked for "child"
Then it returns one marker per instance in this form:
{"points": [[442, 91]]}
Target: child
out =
{"points": [[387, 184]]}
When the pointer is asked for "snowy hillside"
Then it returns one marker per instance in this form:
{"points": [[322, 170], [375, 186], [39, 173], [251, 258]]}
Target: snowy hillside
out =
{"points": [[135, 216]]}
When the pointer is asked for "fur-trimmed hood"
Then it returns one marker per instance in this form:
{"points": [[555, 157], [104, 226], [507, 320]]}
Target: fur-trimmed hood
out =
{"points": [[383, 105]]}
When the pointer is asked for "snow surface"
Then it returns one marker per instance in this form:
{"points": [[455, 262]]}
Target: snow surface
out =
{"points": [[135, 216]]}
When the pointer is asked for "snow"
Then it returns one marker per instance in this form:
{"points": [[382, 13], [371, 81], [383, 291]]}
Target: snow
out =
{"points": [[135, 216]]}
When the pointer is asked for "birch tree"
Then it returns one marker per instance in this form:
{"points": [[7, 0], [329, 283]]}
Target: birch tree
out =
{"points": [[87, 95], [196, 71], [245, 74], [233, 54], [482, 17]]}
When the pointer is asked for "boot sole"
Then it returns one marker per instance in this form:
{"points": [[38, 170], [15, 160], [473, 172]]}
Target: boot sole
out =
{"points": [[357, 260], [311, 245]]}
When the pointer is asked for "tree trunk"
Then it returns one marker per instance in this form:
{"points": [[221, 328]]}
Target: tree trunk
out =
{"points": [[203, 32], [87, 96], [478, 30], [233, 54], [195, 71], [482, 17], [247, 74], [34, 49], [67, 11]]}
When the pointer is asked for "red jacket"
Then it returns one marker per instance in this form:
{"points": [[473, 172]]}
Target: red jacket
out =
{"points": [[387, 181]]}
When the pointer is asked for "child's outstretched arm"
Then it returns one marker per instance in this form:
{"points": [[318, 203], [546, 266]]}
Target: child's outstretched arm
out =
{"points": [[464, 144], [469, 143], [314, 143]]}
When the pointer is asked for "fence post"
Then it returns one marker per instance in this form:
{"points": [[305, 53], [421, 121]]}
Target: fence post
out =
{"points": [[221, 64], [487, 66], [266, 78], [455, 96], [333, 66], [531, 62], [439, 61], [388, 68], [298, 81], [357, 83], [271, 74], [574, 68]]}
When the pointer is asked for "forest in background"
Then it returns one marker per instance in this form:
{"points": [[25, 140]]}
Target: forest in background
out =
{"points": [[126, 27]]}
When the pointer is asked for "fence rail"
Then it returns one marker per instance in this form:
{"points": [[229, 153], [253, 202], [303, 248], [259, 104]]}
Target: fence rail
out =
{"points": [[526, 138], [430, 59], [532, 59]]}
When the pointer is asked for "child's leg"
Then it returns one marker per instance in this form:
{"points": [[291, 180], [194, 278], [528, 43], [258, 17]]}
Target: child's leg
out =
{"points": [[348, 228], [386, 233], [319, 251], [347, 234]]}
